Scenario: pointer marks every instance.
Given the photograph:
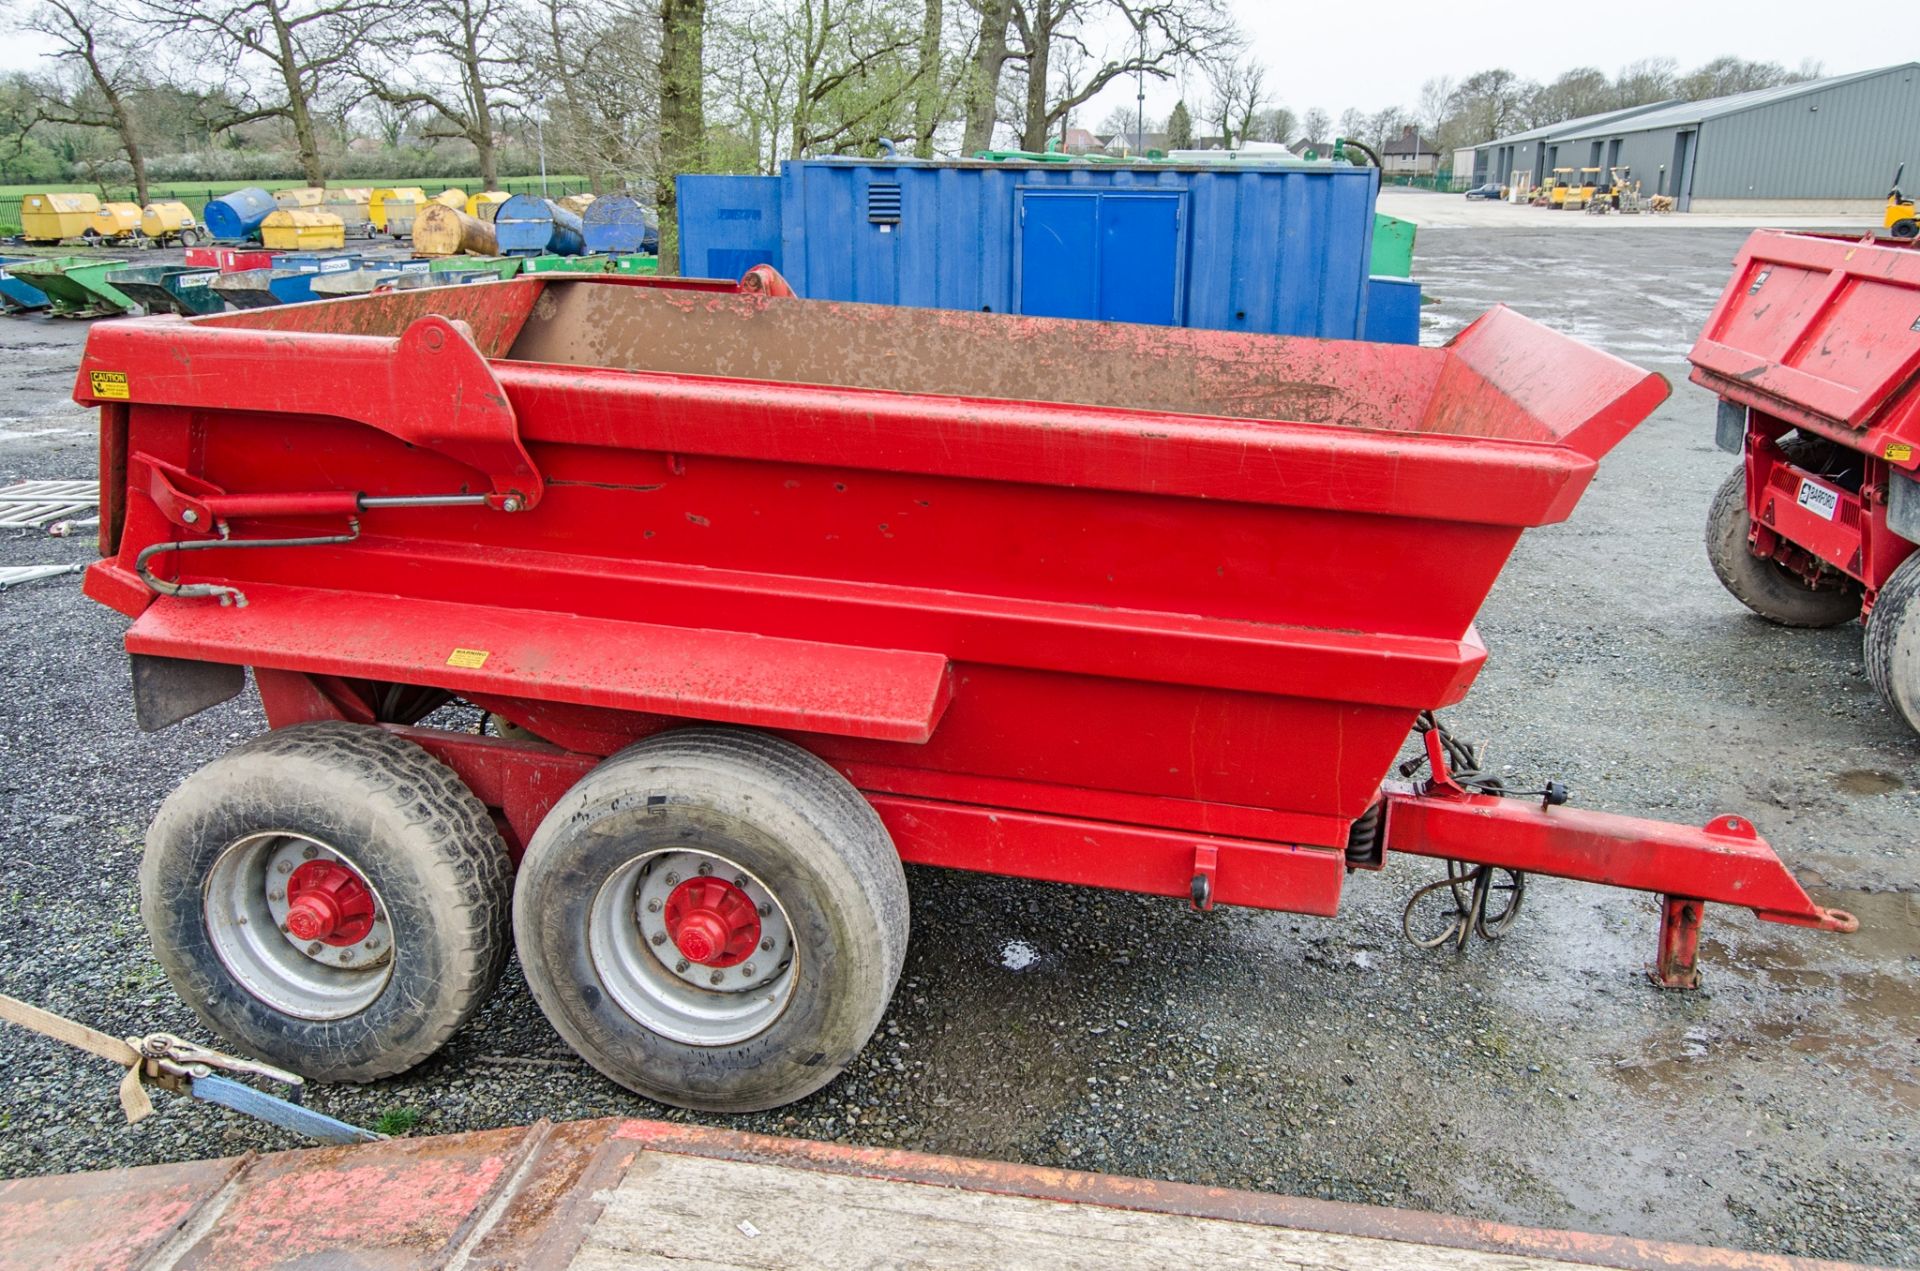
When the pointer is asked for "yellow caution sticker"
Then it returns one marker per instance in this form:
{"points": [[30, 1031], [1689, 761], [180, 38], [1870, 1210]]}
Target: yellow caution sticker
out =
{"points": [[467, 659], [110, 384], [1898, 451]]}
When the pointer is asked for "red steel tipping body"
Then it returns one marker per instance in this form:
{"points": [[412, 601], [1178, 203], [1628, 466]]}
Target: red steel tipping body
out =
{"points": [[1134, 607]]}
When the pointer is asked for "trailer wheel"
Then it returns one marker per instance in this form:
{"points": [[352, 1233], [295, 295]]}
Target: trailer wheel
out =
{"points": [[189, 237], [713, 918], [1773, 592], [1907, 228], [1891, 646], [329, 898]]}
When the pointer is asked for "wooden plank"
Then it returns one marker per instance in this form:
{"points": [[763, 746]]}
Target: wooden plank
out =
{"points": [[695, 1212]]}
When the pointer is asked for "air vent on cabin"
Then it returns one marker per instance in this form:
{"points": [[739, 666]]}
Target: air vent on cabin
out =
{"points": [[883, 203]]}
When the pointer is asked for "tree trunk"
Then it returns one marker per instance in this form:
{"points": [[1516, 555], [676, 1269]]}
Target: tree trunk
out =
{"points": [[298, 111], [682, 119], [1033, 136], [123, 125], [926, 101], [984, 88]]}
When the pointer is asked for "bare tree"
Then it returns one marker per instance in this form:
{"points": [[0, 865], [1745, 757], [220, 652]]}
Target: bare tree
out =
{"points": [[1100, 41], [807, 77], [593, 92], [104, 54], [289, 53], [1238, 87], [1316, 124], [464, 69], [1275, 123]]}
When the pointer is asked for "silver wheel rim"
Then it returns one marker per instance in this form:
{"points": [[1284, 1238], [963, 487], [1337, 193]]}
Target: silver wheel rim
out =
{"points": [[645, 974], [245, 907]]}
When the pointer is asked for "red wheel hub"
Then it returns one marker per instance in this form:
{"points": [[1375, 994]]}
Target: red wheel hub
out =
{"points": [[712, 922], [330, 903]]}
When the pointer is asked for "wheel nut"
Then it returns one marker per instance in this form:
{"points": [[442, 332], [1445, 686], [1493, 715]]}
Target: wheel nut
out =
{"points": [[705, 868], [659, 937], [747, 970], [313, 950], [681, 966], [740, 881], [276, 895], [715, 978], [765, 910], [672, 878], [285, 867], [653, 906], [766, 946], [373, 942], [308, 852], [346, 955]]}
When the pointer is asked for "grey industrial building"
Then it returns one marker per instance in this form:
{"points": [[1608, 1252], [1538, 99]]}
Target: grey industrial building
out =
{"points": [[1820, 146]]}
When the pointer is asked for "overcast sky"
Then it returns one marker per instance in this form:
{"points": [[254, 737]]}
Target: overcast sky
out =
{"points": [[1377, 54]]}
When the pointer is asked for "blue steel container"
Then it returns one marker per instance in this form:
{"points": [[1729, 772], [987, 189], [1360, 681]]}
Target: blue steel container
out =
{"points": [[398, 266], [317, 262], [1393, 310], [15, 294], [1281, 249], [527, 224], [617, 226], [728, 224], [238, 215]]}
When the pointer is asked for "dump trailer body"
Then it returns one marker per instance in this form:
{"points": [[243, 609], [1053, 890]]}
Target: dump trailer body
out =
{"points": [[1138, 608], [77, 286], [16, 294], [157, 288], [1814, 353]]}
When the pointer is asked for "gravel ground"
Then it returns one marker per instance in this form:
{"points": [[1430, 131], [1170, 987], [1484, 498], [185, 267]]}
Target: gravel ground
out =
{"points": [[1539, 1080]]}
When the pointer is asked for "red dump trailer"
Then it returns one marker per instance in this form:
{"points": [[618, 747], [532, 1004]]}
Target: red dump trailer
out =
{"points": [[1814, 352], [761, 597]]}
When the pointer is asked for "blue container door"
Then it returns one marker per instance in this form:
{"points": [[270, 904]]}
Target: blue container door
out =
{"points": [[1110, 255]]}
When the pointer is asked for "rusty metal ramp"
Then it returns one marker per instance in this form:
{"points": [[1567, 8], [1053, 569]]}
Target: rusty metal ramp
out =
{"points": [[634, 1194]]}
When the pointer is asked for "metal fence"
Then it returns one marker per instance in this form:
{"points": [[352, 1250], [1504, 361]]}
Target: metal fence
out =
{"points": [[197, 199]]}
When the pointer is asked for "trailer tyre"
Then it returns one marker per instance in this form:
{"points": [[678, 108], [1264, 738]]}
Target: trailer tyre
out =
{"points": [[713, 918], [1762, 585], [329, 898], [1891, 645]]}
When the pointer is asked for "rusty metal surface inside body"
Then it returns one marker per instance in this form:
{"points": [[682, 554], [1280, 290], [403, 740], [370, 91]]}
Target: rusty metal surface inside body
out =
{"points": [[556, 1196], [1140, 608]]}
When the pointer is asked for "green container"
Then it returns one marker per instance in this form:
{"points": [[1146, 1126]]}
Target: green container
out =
{"points": [[498, 266], [563, 264], [636, 264], [77, 286], [1392, 247]]}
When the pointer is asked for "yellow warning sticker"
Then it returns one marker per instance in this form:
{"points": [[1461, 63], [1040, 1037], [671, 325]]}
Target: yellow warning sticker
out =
{"points": [[1898, 451], [467, 659], [110, 384]]}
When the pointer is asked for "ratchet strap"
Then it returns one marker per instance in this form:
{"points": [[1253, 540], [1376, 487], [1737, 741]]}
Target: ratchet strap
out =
{"points": [[185, 1068]]}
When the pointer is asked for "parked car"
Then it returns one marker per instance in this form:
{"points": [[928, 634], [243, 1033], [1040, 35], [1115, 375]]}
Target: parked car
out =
{"points": [[1491, 190]]}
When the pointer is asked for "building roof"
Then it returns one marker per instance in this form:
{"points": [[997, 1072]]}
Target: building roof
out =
{"points": [[1566, 126], [1410, 143], [1691, 114]]}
